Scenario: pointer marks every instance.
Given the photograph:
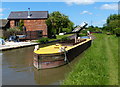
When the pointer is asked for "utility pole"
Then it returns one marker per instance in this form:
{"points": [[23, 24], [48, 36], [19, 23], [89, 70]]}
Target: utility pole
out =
{"points": [[91, 22]]}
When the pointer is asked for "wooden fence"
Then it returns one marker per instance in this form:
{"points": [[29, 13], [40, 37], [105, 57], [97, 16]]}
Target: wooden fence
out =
{"points": [[30, 35]]}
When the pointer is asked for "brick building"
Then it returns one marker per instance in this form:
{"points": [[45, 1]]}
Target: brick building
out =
{"points": [[33, 20]]}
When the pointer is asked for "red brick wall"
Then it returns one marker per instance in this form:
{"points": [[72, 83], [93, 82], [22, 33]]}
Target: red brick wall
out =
{"points": [[38, 24], [12, 23], [33, 25]]}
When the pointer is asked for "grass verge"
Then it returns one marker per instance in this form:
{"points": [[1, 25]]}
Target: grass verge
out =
{"points": [[99, 65]]}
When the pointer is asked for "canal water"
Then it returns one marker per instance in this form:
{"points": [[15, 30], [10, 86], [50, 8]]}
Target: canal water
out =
{"points": [[17, 69]]}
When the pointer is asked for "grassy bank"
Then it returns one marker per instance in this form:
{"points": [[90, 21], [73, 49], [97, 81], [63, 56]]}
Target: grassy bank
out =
{"points": [[99, 65]]}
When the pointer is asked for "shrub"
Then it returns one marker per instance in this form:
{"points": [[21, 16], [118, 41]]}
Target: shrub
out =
{"points": [[10, 32], [82, 34], [43, 40], [117, 31], [3, 38], [21, 25], [84, 31], [15, 29], [64, 38], [66, 30]]}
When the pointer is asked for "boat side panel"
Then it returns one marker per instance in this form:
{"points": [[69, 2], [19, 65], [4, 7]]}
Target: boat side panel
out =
{"points": [[74, 52], [52, 64]]}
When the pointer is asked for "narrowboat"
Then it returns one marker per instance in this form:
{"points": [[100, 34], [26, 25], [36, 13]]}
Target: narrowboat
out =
{"points": [[60, 53]]}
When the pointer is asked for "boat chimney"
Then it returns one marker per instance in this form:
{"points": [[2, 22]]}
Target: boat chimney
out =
{"points": [[28, 12]]}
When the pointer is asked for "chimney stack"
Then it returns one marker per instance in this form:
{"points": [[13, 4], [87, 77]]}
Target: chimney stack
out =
{"points": [[28, 12]]}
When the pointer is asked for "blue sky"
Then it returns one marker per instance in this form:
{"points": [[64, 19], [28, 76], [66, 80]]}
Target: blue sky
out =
{"points": [[94, 13]]}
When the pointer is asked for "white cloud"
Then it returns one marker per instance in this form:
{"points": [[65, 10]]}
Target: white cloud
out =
{"points": [[79, 2], [1, 9], [86, 12], [1, 14], [4, 18], [109, 6], [59, 0]]}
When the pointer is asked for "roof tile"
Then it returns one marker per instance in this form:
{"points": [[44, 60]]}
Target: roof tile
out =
{"points": [[24, 15]]}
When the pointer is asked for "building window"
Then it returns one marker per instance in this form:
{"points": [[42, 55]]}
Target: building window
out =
{"points": [[17, 23]]}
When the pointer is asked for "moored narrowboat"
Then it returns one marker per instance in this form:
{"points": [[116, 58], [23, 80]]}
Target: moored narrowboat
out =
{"points": [[59, 54]]}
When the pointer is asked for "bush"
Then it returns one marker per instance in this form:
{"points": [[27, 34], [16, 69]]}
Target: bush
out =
{"points": [[15, 29], [21, 25], [3, 38], [43, 40], [66, 30], [64, 38], [82, 34], [84, 31], [117, 31], [10, 32]]}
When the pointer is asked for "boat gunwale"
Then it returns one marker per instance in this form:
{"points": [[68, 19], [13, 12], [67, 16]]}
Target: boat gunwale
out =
{"points": [[60, 53], [51, 54]]}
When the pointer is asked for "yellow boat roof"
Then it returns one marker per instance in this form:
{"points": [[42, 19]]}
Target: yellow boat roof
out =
{"points": [[52, 49]]}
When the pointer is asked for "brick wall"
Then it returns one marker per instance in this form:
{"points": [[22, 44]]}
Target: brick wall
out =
{"points": [[33, 25], [12, 23], [38, 24]]}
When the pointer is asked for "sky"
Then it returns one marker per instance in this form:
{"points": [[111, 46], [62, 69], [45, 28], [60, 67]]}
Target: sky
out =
{"points": [[94, 13]]}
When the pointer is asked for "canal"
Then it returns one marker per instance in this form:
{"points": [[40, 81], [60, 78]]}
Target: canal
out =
{"points": [[17, 69]]}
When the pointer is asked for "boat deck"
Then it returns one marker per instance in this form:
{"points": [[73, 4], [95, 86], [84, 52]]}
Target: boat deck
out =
{"points": [[53, 49]]}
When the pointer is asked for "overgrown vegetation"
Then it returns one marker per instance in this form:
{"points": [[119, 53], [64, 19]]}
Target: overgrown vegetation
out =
{"points": [[99, 64]]}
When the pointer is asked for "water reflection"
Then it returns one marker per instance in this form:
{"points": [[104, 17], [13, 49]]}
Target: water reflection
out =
{"points": [[48, 76], [0, 54], [17, 69]]}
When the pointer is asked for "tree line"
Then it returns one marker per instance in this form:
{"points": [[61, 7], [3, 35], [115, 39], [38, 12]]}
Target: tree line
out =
{"points": [[112, 24]]}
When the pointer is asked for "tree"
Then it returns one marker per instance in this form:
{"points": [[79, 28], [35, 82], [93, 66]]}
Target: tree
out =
{"points": [[21, 25], [57, 21], [112, 23]]}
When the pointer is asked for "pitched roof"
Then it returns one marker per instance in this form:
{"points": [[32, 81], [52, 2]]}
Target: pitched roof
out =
{"points": [[3, 22], [24, 15]]}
